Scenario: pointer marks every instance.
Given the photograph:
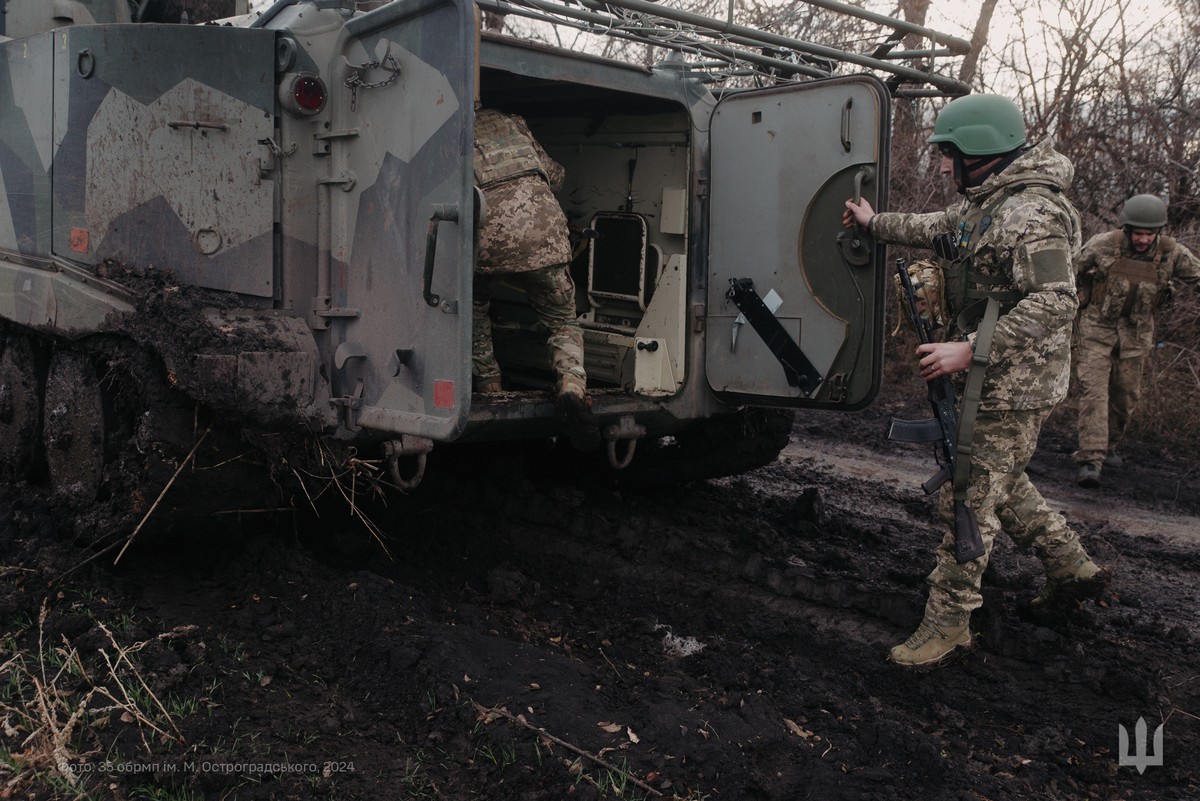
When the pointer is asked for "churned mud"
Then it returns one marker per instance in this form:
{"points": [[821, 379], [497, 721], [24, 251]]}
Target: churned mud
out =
{"points": [[523, 633]]}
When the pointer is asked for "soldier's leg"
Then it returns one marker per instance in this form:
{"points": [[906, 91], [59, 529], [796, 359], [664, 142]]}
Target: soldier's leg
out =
{"points": [[551, 292], [1032, 524], [999, 453], [1002, 446], [1095, 357], [1071, 574], [1124, 393], [1030, 521], [485, 371]]}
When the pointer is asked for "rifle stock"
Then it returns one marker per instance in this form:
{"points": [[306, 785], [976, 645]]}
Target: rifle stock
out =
{"points": [[968, 544]]}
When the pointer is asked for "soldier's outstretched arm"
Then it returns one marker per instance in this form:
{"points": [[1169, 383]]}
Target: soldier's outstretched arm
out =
{"points": [[916, 230]]}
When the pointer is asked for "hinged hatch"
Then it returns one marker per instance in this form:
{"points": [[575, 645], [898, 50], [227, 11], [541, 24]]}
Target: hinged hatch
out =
{"points": [[795, 302]]}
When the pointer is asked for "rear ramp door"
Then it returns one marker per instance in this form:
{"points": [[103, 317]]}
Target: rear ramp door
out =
{"points": [[402, 249], [795, 303]]}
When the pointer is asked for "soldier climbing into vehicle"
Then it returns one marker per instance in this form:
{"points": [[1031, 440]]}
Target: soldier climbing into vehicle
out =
{"points": [[524, 241]]}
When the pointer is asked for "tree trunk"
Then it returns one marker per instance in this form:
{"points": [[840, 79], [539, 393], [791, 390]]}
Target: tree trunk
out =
{"points": [[979, 38]]}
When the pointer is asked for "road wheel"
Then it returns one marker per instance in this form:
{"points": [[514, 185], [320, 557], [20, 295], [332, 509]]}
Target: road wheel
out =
{"points": [[74, 427], [20, 407]]}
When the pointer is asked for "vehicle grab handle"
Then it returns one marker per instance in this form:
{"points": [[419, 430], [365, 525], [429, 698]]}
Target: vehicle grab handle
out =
{"points": [[441, 211]]}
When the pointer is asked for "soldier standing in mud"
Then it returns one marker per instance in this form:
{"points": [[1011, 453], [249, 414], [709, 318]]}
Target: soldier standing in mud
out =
{"points": [[525, 242], [1006, 252], [1124, 276]]}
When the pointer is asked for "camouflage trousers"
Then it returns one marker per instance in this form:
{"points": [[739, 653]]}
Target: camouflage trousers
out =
{"points": [[1003, 498], [1110, 386], [551, 293]]}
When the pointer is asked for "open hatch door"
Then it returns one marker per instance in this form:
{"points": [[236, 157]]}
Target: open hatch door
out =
{"points": [[795, 302], [402, 243]]}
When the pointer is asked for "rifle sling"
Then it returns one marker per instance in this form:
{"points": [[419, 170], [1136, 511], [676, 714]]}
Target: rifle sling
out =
{"points": [[971, 395]]}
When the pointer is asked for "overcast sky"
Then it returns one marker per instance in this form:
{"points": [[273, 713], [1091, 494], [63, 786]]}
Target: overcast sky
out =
{"points": [[957, 17]]}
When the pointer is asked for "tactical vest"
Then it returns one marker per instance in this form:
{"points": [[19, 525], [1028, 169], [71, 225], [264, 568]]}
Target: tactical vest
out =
{"points": [[502, 150], [978, 301], [1138, 271], [967, 290]]}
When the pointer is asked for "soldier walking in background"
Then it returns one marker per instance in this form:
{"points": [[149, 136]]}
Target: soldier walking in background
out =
{"points": [[525, 242], [1123, 276], [1005, 253]]}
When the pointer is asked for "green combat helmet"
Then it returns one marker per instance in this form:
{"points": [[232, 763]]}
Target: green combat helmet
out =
{"points": [[980, 125], [1143, 211]]}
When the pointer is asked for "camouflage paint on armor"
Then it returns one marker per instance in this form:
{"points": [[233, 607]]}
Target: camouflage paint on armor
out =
{"points": [[1116, 331], [526, 241], [1027, 247], [1003, 498]]}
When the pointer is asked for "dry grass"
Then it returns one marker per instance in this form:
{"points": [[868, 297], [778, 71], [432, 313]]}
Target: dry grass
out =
{"points": [[54, 698], [357, 482], [1167, 416]]}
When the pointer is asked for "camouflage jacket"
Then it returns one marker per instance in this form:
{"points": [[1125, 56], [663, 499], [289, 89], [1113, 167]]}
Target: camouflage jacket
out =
{"points": [[1120, 291], [525, 228], [1024, 247]]}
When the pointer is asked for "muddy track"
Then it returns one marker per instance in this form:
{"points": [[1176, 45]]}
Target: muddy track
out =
{"points": [[723, 640]]}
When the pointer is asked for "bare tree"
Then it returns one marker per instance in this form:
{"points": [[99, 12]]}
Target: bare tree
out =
{"points": [[979, 38], [1115, 88]]}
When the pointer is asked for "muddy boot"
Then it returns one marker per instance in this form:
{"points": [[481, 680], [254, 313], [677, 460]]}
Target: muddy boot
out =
{"points": [[576, 409], [486, 385], [1081, 581], [930, 645], [1089, 475], [1114, 460]]}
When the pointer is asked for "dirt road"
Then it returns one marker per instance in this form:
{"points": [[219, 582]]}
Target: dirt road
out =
{"points": [[535, 636]]}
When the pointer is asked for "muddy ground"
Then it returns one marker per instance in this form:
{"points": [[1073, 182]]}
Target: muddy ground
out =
{"points": [[536, 635]]}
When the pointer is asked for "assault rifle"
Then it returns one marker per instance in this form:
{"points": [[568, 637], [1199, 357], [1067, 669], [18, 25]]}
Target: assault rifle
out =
{"points": [[942, 428]]}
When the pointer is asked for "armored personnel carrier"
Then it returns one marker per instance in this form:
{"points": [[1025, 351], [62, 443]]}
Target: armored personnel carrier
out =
{"points": [[249, 245]]}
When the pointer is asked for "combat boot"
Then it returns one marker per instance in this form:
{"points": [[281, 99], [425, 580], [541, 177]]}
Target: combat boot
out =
{"points": [[1082, 580], [931, 644], [487, 386], [1114, 460], [1089, 475]]}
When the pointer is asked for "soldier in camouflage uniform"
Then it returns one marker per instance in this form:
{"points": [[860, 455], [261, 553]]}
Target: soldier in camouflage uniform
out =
{"points": [[1123, 275], [1010, 240], [525, 242]]}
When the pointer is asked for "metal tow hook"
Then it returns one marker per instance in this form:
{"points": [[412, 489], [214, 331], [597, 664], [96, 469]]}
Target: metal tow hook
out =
{"points": [[407, 445], [627, 430]]}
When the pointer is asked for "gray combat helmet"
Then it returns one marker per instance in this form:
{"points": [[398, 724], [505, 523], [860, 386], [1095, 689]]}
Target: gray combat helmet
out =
{"points": [[1143, 211]]}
